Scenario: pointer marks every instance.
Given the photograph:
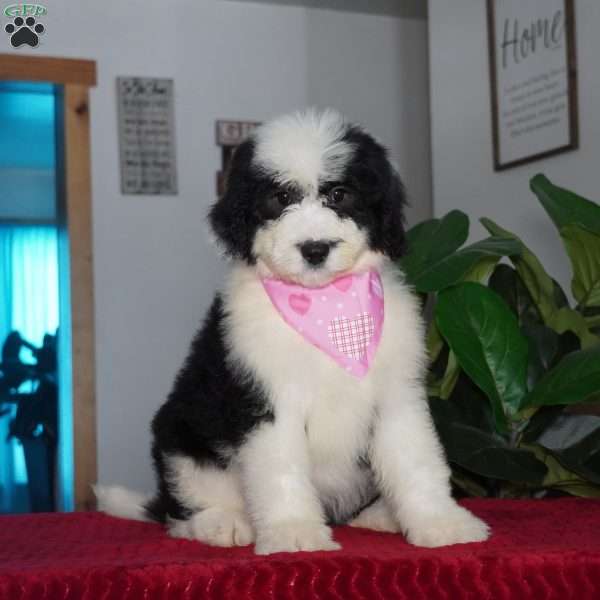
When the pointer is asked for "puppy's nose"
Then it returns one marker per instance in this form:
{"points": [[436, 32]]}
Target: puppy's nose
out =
{"points": [[314, 253]]}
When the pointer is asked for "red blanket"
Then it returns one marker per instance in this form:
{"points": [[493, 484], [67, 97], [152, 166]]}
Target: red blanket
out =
{"points": [[542, 549]]}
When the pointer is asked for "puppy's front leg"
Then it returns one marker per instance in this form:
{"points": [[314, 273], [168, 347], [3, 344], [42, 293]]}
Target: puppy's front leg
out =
{"points": [[410, 463], [284, 507]]}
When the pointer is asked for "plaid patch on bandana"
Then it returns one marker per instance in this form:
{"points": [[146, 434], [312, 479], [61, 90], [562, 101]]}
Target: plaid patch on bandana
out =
{"points": [[352, 336]]}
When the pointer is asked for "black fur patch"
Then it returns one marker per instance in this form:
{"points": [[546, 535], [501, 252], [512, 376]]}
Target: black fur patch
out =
{"points": [[249, 200], [209, 412], [213, 406], [239, 213], [380, 208]]}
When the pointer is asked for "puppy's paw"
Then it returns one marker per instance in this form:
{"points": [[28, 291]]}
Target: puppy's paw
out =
{"points": [[456, 526], [215, 526], [294, 536], [378, 517]]}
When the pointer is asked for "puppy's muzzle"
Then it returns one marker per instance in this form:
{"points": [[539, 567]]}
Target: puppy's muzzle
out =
{"points": [[315, 252]]}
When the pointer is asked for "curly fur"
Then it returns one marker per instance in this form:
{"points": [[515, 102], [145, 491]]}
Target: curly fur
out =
{"points": [[263, 437]]}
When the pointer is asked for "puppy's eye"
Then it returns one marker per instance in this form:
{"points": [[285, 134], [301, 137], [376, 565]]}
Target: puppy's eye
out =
{"points": [[276, 201], [340, 196], [284, 198]]}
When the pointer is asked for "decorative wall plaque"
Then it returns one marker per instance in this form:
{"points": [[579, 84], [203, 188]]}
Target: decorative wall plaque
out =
{"points": [[147, 136], [230, 134], [533, 79]]}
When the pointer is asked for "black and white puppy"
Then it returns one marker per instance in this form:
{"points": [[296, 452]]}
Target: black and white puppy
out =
{"points": [[265, 438]]}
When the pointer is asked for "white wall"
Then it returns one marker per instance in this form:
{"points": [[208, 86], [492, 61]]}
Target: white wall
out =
{"points": [[462, 137], [374, 69], [155, 272]]}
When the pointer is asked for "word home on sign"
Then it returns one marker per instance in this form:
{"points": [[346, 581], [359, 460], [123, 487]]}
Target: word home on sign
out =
{"points": [[519, 42]]}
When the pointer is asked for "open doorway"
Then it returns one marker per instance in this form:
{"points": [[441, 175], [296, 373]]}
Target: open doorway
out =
{"points": [[29, 299], [47, 405]]}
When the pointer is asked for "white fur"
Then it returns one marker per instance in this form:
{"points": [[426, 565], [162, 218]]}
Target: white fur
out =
{"points": [[121, 502], [276, 245], [294, 535], [378, 516], [324, 418], [215, 526], [287, 472], [284, 472], [216, 494], [303, 147], [199, 487]]}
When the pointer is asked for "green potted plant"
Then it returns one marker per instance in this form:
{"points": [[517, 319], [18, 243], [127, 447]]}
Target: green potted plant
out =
{"points": [[515, 367]]}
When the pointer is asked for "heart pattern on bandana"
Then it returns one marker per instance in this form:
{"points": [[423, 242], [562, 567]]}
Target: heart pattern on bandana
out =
{"points": [[343, 283], [300, 303], [343, 319], [352, 336]]}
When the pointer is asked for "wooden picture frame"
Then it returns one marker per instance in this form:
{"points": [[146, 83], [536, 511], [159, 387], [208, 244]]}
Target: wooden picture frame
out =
{"points": [[73, 79], [533, 80]]}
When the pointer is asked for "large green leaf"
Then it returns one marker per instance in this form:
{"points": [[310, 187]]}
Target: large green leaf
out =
{"points": [[583, 248], [560, 298], [544, 290], [484, 334], [510, 464], [433, 240], [450, 376], [484, 453], [575, 440], [565, 207], [434, 342], [481, 271], [477, 261], [593, 321], [451, 232], [561, 478], [533, 274], [541, 420], [568, 430], [590, 468], [582, 489], [467, 483], [567, 319], [546, 348], [543, 347], [507, 283], [575, 379], [567, 342], [450, 269], [471, 406]]}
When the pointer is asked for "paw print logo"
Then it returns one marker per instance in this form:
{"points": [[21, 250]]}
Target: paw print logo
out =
{"points": [[24, 31]]}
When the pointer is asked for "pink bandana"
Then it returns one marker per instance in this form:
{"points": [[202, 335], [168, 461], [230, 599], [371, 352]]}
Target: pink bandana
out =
{"points": [[344, 319]]}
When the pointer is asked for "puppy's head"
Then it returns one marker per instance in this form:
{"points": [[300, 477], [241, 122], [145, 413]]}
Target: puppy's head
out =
{"points": [[310, 197]]}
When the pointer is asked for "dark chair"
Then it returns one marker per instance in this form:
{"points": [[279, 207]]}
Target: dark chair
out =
{"points": [[35, 424]]}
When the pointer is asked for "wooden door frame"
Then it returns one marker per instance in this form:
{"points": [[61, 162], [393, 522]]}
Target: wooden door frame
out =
{"points": [[76, 77]]}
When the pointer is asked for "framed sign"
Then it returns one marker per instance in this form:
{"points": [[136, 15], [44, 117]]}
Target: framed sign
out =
{"points": [[233, 133], [533, 74], [147, 136], [229, 135]]}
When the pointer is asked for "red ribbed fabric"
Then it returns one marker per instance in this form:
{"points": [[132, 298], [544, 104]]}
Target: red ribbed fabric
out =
{"points": [[544, 549]]}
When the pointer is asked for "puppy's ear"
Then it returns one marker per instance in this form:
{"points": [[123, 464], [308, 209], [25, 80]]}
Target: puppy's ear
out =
{"points": [[378, 182], [393, 236], [230, 216]]}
